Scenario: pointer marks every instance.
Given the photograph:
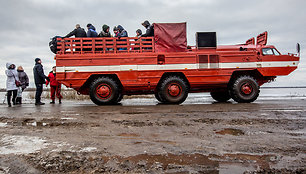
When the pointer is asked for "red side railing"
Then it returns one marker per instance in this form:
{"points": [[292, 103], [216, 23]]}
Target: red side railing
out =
{"points": [[104, 45]]}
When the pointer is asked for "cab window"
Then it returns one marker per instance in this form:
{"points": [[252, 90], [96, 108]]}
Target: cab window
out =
{"points": [[276, 53], [267, 51]]}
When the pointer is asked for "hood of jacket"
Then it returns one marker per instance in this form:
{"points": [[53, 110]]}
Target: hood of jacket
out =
{"points": [[104, 28], [8, 65], [120, 28], [146, 23], [92, 28]]}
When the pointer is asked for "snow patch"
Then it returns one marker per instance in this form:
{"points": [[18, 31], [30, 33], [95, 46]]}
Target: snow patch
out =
{"points": [[18, 144]]}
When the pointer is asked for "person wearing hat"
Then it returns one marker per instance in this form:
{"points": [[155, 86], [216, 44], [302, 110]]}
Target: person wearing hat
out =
{"points": [[116, 32], [105, 31], [24, 83], [39, 77], [11, 85], [91, 31], [150, 29]]}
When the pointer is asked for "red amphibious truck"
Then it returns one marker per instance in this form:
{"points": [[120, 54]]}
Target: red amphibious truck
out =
{"points": [[108, 68]]}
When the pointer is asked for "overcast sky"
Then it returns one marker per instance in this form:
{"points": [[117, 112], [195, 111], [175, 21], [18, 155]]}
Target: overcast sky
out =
{"points": [[28, 25]]}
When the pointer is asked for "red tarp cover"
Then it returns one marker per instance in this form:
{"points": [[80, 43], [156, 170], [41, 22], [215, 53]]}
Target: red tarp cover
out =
{"points": [[170, 37]]}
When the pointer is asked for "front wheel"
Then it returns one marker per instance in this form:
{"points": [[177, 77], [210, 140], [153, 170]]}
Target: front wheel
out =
{"points": [[245, 89], [104, 90], [173, 90]]}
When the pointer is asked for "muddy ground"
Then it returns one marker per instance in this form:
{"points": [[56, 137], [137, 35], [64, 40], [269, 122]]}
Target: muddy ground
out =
{"points": [[141, 136]]}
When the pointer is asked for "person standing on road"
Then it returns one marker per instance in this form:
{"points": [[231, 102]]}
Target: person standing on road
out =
{"points": [[39, 77], [11, 83], [55, 86], [24, 83]]}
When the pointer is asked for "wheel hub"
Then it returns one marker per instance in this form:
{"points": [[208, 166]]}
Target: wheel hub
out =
{"points": [[247, 89], [174, 90], [103, 91]]}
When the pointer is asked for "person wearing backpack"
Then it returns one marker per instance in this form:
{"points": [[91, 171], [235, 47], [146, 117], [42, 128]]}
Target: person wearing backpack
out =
{"points": [[12, 83]]}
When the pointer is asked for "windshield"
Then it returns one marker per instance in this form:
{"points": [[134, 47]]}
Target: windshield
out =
{"points": [[270, 51]]}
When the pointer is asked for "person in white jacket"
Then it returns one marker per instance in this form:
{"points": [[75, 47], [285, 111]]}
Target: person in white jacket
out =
{"points": [[11, 87]]}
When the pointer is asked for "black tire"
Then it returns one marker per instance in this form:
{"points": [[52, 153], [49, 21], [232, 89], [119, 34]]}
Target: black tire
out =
{"points": [[157, 96], [104, 91], [220, 96], [120, 97], [244, 89], [173, 89]]}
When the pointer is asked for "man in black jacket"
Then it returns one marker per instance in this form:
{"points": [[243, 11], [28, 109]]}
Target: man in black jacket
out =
{"points": [[77, 32], [39, 77], [150, 29]]}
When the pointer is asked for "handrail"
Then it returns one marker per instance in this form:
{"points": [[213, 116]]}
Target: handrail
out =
{"points": [[104, 45]]}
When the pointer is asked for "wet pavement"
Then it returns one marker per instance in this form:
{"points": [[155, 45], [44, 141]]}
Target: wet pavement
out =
{"points": [[142, 136]]}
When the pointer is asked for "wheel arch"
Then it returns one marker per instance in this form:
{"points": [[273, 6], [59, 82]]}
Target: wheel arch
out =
{"points": [[85, 87], [253, 73], [167, 74]]}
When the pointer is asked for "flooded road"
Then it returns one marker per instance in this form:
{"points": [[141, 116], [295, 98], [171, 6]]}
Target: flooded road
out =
{"points": [[142, 136]]}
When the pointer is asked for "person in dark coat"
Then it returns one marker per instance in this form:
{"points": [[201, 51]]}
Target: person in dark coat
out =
{"points": [[138, 33], [55, 86], [24, 83], [91, 31], [105, 31], [39, 77], [11, 88], [150, 29], [122, 32], [77, 32]]}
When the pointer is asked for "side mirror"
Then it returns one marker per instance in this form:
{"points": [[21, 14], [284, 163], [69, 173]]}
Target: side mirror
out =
{"points": [[298, 48]]}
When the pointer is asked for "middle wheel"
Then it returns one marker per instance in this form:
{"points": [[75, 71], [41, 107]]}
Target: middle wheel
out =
{"points": [[173, 89]]}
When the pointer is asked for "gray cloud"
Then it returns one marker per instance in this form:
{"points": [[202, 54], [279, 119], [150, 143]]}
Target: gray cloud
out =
{"points": [[28, 25]]}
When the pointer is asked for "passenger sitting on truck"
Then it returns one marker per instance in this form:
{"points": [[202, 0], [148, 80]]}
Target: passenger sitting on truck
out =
{"points": [[91, 31], [150, 29], [77, 32], [138, 35], [115, 30], [122, 32], [105, 31]]}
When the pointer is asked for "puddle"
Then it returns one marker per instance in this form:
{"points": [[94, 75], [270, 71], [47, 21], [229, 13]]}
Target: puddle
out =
{"points": [[231, 131], [166, 142], [36, 124], [21, 144], [68, 118], [88, 149], [128, 135]]}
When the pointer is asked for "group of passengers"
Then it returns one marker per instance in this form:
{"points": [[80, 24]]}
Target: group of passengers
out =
{"points": [[119, 31]]}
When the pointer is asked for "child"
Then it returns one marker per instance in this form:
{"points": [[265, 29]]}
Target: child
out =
{"points": [[54, 86]]}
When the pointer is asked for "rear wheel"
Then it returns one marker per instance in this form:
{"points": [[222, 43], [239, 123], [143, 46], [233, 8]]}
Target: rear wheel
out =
{"points": [[173, 89], [157, 96], [220, 96], [244, 89], [104, 90]]}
